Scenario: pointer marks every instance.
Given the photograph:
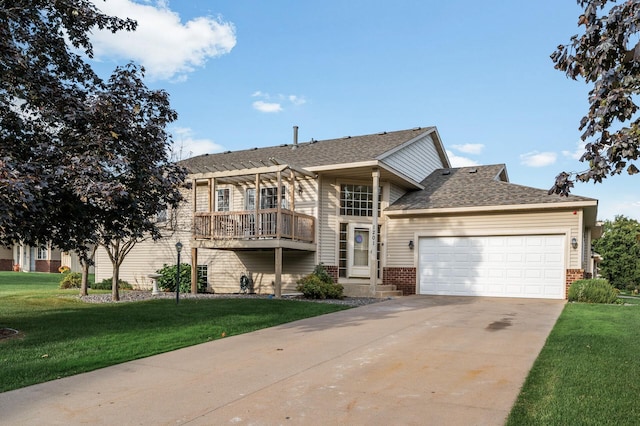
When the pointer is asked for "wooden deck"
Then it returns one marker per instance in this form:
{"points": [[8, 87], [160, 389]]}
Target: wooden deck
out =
{"points": [[275, 224]]}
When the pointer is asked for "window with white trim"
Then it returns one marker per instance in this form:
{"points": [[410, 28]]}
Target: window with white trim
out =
{"points": [[357, 200], [42, 254]]}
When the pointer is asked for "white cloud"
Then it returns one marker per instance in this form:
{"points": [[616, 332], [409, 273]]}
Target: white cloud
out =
{"points": [[538, 159], [469, 148], [274, 103], [165, 46], [185, 145], [296, 100], [577, 153], [267, 106], [457, 161]]}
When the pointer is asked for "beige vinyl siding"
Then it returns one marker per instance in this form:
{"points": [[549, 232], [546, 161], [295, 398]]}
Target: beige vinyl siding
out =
{"points": [[401, 230], [226, 267], [148, 256], [145, 258], [416, 160], [328, 222]]}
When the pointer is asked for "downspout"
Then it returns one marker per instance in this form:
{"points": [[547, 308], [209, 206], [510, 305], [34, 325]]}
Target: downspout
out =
{"points": [[373, 248]]}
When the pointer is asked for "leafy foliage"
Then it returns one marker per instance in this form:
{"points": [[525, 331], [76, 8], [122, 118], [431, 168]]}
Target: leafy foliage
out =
{"points": [[620, 250], [89, 158], [71, 280], [107, 284], [44, 88], [134, 179], [319, 285], [606, 57], [167, 281], [592, 291]]}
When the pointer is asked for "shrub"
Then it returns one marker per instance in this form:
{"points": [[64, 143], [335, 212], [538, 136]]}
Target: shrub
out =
{"points": [[71, 280], [167, 281], [106, 284], [592, 291], [319, 285]]}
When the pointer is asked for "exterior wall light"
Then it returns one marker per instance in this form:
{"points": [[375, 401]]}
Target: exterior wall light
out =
{"points": [[411, 245], [574, 243]]}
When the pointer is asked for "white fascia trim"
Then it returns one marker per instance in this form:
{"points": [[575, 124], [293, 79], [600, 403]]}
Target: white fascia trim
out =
{"points": [[330, 167], [484, 232], [405, 144], [373, 163], [512, 207]]}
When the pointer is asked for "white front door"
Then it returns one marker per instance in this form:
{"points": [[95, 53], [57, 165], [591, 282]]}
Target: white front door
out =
{"points": [[359, 250]]}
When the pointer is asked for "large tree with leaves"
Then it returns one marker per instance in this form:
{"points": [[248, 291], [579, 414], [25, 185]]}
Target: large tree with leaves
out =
{"points": [[607, 56], [619, 247], [44, 88]]}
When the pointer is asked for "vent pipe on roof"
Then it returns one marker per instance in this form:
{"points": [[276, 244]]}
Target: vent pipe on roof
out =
{"points": [[295, 135]]}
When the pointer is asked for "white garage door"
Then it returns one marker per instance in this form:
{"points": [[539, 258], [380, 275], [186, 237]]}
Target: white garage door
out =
{"points": [[501, 266]]}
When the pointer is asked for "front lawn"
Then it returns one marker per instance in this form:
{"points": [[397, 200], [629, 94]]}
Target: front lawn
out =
{"points": [[62, 336], [587, 372]]}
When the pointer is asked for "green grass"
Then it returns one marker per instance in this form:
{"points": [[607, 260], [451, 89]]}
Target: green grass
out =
{"points": [[62, 336], [587, 372]]}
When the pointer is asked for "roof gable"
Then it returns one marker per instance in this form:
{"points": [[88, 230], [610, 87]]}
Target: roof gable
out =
{"points": [[477, 186], [314, 154]]}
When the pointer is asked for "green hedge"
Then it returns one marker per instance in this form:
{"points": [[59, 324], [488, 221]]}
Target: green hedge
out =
{"points": [[319, 285], [106, 284], [595, 290], [167, 281], [71, 280]]}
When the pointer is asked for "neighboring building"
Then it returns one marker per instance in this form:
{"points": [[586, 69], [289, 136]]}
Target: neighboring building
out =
{"points": [[25, 258], [384, 213]]}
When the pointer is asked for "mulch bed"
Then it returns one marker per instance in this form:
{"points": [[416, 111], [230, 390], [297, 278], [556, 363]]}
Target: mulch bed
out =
{"points": [[5, 333]]}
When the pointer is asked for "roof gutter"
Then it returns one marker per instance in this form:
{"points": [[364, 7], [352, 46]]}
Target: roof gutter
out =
{"points": [[512, 207]]}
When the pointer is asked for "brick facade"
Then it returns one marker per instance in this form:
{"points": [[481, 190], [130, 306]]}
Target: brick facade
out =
{"points": [[403, 278], [572, 275], [333, 271], [47, 265], [6, 264]]}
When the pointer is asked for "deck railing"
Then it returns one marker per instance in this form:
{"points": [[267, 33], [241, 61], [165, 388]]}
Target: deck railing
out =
{"points": [[245, 225]]}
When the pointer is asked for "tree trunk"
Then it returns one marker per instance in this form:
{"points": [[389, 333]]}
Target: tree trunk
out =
{"points": [[85, 279], [86, 262], [115, 295]]}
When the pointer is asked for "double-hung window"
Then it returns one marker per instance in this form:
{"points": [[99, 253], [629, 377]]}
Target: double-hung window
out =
{"points": [[222, 200]]}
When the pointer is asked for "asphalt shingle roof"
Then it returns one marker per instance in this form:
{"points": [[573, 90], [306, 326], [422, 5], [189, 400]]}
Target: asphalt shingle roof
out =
{"points": [[464, 187], [309, 154]]}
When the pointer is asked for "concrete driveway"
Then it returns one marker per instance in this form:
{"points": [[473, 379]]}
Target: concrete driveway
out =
{"points": [[412, 360]]}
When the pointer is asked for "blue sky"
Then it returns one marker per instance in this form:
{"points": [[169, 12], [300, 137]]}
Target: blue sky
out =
{"points": [[242, 73]]}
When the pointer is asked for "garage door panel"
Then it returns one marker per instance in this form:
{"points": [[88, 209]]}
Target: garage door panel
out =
{"points": [[509, 266]]}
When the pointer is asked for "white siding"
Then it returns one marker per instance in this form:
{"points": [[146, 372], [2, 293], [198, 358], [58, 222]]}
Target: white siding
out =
{"points": [[401, 230], [417, 160]]}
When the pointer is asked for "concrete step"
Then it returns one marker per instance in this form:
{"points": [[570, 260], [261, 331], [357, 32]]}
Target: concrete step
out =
{"points": [[363, 290], [388, 293]]}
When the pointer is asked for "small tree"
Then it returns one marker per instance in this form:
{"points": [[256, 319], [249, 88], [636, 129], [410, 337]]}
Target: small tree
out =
{"points": [[620, 252], [133, 180]]}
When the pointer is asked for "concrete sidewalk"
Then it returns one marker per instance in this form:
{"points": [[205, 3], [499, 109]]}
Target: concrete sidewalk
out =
{"points": [[412, 360]]}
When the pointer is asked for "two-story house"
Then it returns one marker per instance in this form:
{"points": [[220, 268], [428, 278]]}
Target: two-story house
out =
{"points": [[384, 213]]}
